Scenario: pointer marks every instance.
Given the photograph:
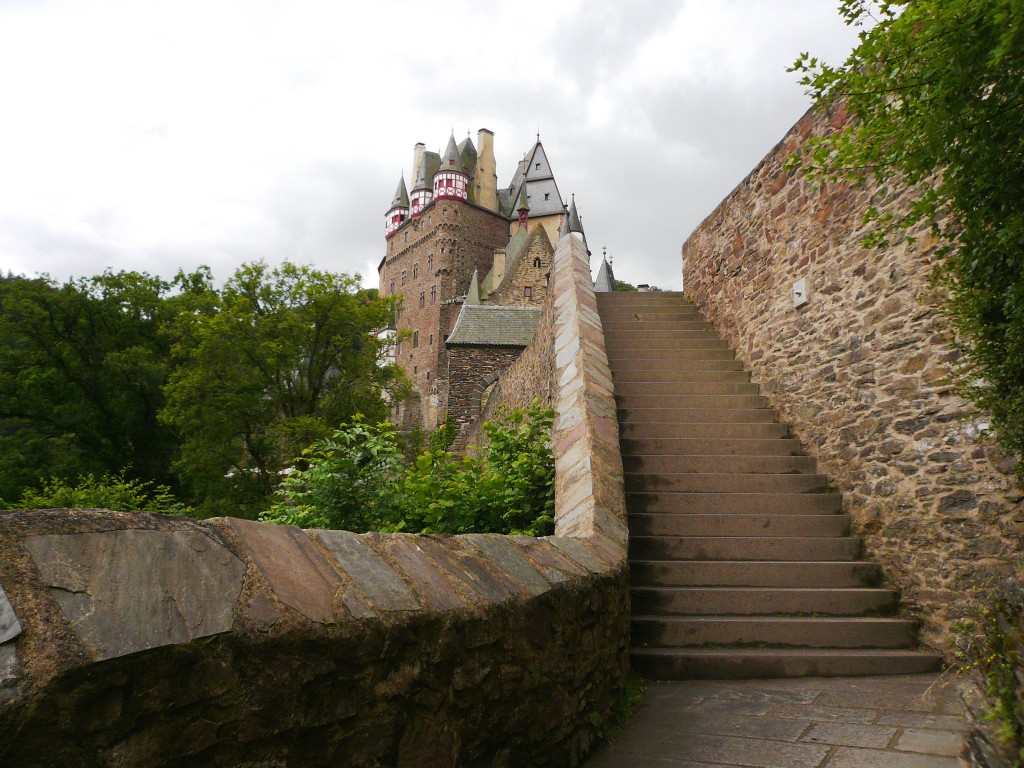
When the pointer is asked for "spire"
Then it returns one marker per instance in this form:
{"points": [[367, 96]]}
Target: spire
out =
{"points": [[401, 195], [565, 227], [575, 226], [523, 208], [605, 281], [421, 181], [473, 294], [452, 160]]}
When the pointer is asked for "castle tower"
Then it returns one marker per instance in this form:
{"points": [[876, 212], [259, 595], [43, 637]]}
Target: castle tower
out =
{"points": [[451, 181], [485, 179], [399, 210], [575, 226]]}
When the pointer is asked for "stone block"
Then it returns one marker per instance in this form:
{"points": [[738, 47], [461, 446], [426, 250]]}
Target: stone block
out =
{"points": [[426, 578], [371, 573], [510, 561], [131, 590], [10, 628], [295, 570]]}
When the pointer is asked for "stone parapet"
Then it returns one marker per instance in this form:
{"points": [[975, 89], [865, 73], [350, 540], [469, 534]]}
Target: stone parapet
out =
{"points": [[862, 372], [135, 639]]}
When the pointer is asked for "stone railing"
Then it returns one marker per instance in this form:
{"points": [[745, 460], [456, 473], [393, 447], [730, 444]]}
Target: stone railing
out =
{"points": [[144, 640]]}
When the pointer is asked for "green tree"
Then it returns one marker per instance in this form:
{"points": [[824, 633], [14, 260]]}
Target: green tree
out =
{"points": [[269, 365], [81, 370], [936, 92]]}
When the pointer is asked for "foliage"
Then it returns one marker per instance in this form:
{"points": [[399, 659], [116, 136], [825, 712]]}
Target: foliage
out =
{"points": [[265, 367], [626, 706], [936, 90], [110, 491], [622, 285], [81, 370], [354, 480], [989, 644]]}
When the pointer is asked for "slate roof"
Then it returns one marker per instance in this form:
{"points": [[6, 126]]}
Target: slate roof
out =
{"points": [[401, 196], [425, 173], [452, 160], [605, 281], [494, 326], [538, 183]]}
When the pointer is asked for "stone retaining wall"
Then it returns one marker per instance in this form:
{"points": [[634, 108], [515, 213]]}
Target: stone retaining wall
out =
{"points": [[862, 374], [144, 640]]}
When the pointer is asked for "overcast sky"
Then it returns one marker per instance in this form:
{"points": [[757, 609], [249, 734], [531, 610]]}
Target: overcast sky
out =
{"points": [[155, 136]]}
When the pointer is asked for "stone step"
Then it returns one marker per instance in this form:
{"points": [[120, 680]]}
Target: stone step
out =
{"points": [[642, 297], [693, 399], [627, 357], [735, 503], [634, 390], [694, 340], [653, 315], [633, 323], [800, 548], [668, 524], [716, 464], [670, 335], [660, 369], [749, 601], [707, 431], [776, 631], [754, 573], [695, 446], [696, 415], [644, 377], [706, 482], [733, 663]]}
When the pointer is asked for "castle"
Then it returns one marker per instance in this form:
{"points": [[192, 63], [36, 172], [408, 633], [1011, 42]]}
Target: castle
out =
{"points": [[470, 261]]}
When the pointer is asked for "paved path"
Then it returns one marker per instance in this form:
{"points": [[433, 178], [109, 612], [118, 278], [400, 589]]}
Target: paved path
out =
{"points": [[912, 721]]}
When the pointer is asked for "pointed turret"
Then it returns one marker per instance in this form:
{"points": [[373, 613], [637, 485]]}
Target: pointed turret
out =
{"points": [[575, 225], [473, 293], [564, 230], [399, 210], [605, 281], [523, 208], [451, 181]]}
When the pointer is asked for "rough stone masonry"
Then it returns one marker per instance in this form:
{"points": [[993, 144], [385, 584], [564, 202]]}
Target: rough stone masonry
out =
{"points": [[862, 372]]}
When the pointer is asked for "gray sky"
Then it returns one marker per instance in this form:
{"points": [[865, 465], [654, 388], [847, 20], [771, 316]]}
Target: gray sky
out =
{"points": [[154, 136]]}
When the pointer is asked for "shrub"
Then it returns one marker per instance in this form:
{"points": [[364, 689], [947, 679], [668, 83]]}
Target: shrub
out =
{"points": [[355, 480], [106, 492]]}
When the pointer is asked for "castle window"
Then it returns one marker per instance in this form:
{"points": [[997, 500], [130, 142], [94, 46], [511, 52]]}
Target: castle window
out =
{"points": [[538, 166], [405, 275], [528, 292], [433, 294], [547, 195], [428, 376], [536, 262], [414, 369], [391, 285], [415, 271], [431, 339], [423, 299], [430, 261], [415, 339], [399, 350]]}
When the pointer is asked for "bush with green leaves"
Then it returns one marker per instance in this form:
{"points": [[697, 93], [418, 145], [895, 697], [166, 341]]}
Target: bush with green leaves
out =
{"points": [[355, 480], [109, 491], [936, 92]]}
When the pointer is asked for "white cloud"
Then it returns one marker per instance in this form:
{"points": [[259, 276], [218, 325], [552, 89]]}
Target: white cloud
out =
{"points": [[153, 136]]}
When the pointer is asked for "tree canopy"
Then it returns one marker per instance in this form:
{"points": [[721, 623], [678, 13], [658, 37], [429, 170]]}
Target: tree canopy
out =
{"points": [[208, 393], [936, 92]]}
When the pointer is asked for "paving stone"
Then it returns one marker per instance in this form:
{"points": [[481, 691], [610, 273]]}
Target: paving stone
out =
{"points": [[825, 714], [908, 702], [853, 757], [10, 628], [130, 590], [850, 735], [372, 575], [756, 753], [930, 742], [918, 720], [739, 692], [297, 572], [730, 724], [704, 704]]}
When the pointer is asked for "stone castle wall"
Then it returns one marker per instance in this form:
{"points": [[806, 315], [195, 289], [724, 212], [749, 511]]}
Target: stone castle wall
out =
{"points": [[862, 372], [146, 640]]}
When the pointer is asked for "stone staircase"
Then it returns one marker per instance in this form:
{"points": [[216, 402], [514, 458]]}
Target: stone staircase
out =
{"points": [[741, 562]]}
